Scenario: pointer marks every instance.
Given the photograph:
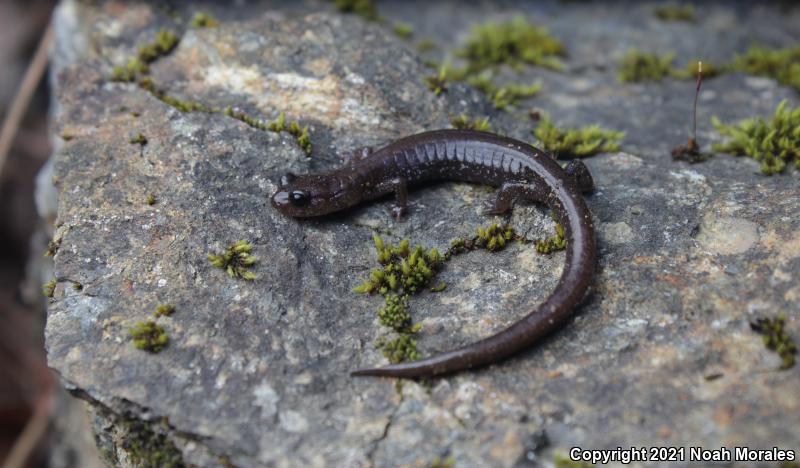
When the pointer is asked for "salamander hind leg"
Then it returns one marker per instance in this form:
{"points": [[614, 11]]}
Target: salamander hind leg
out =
{"points": [[400, 207], [509, 193], [578, 172]]}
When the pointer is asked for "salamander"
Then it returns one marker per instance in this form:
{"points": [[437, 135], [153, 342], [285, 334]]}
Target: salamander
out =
{"points": [[521, 171]]}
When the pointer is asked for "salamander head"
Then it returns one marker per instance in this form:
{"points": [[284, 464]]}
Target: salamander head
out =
{"points": [[311, 195], [577, 171]]}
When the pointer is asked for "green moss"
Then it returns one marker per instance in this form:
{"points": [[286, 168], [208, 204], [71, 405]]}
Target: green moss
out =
{"points": [[404, 269], [438, 82], [147, 84], [503, 96], [774, 142], [690, 71], [147, 448], [52, 247], [514, 43], [151, 199], [511, 94], [203, 20], [76, 286], [122, 74], [439, 287], [400, 349], [395, 314], [301, 136], [494, 237], [363, 8], [138, 139], [164, 42], [675, 12], [49, 288], [278, 125], [783, 65], [425, 45], [236, 260], [776, 338], [553, 243], [440, 462], [562, 461], [576, 142], [164, 310], [463, 122], [639, 66], [149, 336], [403, 30]]}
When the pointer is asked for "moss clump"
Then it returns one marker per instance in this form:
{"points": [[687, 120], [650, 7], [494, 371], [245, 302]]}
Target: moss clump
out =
{"points": [[639, 66], [438, 82], [675, 12], [403, 269], [236, 260], [146, 83], [138, 139], [511, 94], [774, 142], [403, 30], [563, 461], [464, 123], [395, 314], [164, 42], [151, 199], [514, 43], [494, 237], [783, 65], [164, 310], [148, 448], [129, 72], [439, 287], [278, 125], [576, 142], [363, 8], [425, 45], [691, 70], [149, 336], [502, 96], [203, 20], [553, 243], [776, 338], [161, 45], [440, 462], [52, 247], [49, 288], [400, 349]]}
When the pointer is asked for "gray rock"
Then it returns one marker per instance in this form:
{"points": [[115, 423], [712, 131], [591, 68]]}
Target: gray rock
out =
{"points": [[256, 373]]}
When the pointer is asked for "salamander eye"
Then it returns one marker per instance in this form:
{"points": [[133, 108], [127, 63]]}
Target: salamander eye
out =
{"points": [[299, 198]]}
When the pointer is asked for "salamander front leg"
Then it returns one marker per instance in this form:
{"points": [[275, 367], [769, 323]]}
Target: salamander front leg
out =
{"points": [[510, 192], [400, 187]]}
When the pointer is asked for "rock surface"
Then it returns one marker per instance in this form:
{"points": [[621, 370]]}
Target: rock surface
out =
{"points": [[256, 373]]}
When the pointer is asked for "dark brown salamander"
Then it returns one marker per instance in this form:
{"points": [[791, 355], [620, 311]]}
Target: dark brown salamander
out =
{"points": [[520, 170]]}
